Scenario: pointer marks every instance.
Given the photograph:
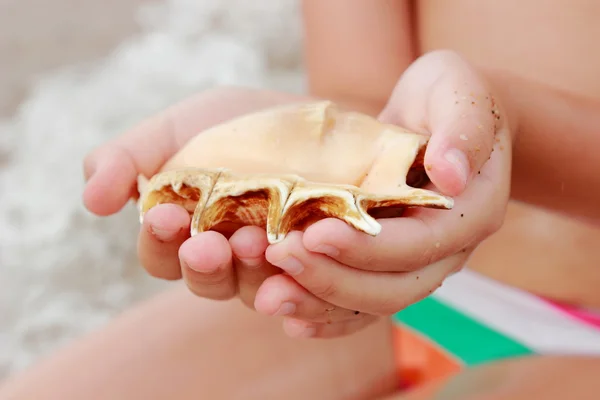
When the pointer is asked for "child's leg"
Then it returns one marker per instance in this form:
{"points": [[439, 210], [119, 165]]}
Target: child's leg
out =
{"points": [[178, 346]]}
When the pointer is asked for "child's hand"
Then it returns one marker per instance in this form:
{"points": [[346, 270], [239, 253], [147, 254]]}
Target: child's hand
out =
{"points": [[164, 246], [441, 94], [366, 276]]}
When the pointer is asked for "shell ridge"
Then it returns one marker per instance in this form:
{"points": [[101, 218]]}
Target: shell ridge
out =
{"points": [[408, 196], [201, 206], [145, 189], [361, 201], [346, 208], [142, 185], [372, 222], [279, 235]]}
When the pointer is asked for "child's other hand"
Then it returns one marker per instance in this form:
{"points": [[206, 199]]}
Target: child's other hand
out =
{"points": [[440, 94]]}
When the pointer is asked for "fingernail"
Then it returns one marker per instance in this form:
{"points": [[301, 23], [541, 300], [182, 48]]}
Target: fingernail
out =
{"points": [[286, 308], [291, 265], [163, 235], [459, 160], [327, 249]]}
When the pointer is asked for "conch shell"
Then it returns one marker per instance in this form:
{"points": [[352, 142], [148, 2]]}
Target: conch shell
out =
{"points": [[284, 168]]}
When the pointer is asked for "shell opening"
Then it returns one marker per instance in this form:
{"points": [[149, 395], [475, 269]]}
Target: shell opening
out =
{"points": [[225, 201]]}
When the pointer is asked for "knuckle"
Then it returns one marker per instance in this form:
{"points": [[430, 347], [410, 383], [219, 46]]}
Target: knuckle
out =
{"points": [[432, 251], [360, 257], [429, 256], [326, 290]]}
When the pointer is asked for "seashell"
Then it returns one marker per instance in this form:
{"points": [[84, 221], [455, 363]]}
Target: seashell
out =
{"points": [[284, 168]]}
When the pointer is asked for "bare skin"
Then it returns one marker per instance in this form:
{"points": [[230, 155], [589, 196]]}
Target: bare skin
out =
{"points": [[179, 346], [543, 252], [533, 244]]}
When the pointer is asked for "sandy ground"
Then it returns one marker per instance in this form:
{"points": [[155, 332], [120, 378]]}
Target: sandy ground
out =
{"points": [[41, 35]]}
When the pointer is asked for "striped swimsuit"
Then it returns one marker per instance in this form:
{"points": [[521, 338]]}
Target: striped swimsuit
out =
{"points": [[472, 320]]}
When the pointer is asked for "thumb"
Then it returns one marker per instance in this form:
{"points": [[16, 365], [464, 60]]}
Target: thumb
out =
{"points": [[441, 94], [463, 119]]}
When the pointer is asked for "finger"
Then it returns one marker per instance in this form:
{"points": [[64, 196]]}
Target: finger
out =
{"points": [[297, 328], [281, 295], [378, 293], [206, 266], [164, 229], [248, 245], [443, 95], [422, 236], [112, 169]]}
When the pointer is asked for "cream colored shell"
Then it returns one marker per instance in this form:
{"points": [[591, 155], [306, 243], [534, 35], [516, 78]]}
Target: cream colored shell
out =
{"points": [[284, 168]]}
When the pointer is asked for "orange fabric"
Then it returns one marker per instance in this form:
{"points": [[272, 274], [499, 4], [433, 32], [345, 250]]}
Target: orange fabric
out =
{"points": [[420, 361]]}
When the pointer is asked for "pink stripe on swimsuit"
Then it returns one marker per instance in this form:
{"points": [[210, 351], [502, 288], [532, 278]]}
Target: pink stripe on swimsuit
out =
{"points": [[588, 316]]}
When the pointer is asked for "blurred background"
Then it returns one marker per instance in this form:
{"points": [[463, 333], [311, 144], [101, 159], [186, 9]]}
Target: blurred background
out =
{"points": [[74, 74]]}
